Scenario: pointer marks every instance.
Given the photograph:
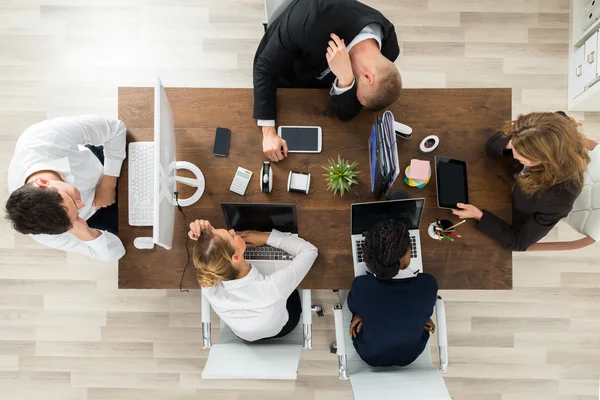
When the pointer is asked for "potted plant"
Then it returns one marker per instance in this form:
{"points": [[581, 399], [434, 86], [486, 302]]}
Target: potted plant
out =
{"points": [[340, 175]]}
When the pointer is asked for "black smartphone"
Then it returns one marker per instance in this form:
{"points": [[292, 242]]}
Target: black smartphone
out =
{"points": [[221, 146]]}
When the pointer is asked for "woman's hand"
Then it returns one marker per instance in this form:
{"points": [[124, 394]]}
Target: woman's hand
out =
{"points": [[197, 227], [468, 211], [508, 145], [254, 238], [355, 325], [430, 326]]}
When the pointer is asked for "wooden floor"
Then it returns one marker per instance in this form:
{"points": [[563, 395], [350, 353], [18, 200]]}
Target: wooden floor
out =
{"points": [[67, 333]]}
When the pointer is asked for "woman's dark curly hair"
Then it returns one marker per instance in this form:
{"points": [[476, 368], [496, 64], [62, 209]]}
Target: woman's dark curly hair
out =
{"points": [[385, 244]]}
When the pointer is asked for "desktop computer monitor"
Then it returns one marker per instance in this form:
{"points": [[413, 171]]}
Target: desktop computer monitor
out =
{"points": [[165, 168]]}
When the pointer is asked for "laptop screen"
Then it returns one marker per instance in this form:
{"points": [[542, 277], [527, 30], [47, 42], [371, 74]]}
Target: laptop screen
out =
{"points": [[366, 215], [260, 217]]}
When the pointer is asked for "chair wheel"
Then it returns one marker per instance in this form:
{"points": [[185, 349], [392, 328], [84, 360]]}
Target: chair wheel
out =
{"points": [[333, 348], [318, 310]]}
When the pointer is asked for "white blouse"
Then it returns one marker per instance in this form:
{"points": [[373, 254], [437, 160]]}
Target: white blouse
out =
{"points": [[254, 307]]}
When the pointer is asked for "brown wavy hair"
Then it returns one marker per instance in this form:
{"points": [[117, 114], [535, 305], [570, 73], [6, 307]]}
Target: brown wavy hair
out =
{"points": [[212, 259], [555, 142]]}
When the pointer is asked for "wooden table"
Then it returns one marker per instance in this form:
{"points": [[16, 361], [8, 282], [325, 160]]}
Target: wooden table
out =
{"points": [[462, 118]]}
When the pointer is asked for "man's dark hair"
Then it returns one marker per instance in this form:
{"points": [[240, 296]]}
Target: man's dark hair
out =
{"points": [[385, 244], [36, 210]]}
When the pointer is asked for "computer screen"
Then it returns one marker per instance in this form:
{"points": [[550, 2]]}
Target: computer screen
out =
{"points": [[164, 168], [366, 215], [260, 217]]}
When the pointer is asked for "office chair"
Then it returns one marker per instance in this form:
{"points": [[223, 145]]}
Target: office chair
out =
{"points": [[273, 9], [234, 358], [418, 380], [585, 215]]}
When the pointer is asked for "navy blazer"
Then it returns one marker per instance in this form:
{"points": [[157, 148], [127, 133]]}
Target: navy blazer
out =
{"points": [[394, 314]]}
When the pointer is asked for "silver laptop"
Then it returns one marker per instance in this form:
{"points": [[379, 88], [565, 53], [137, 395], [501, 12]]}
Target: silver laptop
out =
{"points": [[365, 215], [263, 218]]}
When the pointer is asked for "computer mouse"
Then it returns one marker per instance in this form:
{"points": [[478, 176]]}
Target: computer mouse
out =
{"points": [[143, 243]]}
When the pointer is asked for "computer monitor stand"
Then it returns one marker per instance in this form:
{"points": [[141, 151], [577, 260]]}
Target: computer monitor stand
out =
{"points": [[198, 182]]}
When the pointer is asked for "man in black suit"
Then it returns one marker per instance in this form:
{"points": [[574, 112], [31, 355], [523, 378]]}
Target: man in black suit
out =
{"points": [[344, 45]]}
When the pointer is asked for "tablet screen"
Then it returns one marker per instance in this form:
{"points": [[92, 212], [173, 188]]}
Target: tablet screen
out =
{"points": [[451, 178], [301, 138]]}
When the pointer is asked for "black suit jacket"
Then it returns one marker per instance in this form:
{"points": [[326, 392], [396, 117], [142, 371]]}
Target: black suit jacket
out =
{"points": [[533, 216], [292, 51]]}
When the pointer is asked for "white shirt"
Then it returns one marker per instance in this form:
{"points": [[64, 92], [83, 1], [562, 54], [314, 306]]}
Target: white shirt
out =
{"points": [[372, 31], [254, 307], [54, 145]]}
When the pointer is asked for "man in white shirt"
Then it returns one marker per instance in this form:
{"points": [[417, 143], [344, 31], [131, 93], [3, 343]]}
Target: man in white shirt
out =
{"points": [[62, 192], [306, 47]]}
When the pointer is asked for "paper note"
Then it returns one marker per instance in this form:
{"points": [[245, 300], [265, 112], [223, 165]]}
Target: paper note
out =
{"points": [[419, 170]]}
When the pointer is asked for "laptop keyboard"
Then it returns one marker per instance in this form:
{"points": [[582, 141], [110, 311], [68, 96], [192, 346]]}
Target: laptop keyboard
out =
{"points": [[413, 247], [361, 243], [266, 253], [359, 250]]}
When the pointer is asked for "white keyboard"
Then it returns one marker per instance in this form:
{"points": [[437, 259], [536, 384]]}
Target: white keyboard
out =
{"points": [[141, 183]]}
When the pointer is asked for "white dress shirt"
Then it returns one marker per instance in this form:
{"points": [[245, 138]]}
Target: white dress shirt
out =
{"points": [[372, 31], [55, 145], [254, 307]]}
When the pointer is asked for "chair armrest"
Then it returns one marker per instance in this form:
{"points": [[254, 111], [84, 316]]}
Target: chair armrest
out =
{"points": [[338, 320], [306, 318], [306, 297], [206, 335], [442, 334], [553, 246]]}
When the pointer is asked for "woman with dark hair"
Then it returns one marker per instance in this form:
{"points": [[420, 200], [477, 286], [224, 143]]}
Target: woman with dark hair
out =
{"points": [[391, 320]]}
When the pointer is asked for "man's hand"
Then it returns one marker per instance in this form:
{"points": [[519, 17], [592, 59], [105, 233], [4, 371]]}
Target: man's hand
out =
{"points": [[254, 238], [81, 229], [274, 147], [339, 61], [508, 145], [430, 326], [105, 192], [197, 227], [468, 211], [355, 325]]}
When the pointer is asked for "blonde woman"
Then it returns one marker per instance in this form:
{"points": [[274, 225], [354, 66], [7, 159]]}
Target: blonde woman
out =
{"points": [[550, 156], [253, 305]]}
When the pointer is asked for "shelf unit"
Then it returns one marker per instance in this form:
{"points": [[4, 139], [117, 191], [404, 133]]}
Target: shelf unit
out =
{"points": [[589, 100]]}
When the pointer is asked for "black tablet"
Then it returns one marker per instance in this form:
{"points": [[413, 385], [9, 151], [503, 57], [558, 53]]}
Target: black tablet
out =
{"points": [[451, 181]]}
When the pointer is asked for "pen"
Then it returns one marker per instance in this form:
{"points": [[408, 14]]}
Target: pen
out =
{"points": [[455, 225], [447, 237]]}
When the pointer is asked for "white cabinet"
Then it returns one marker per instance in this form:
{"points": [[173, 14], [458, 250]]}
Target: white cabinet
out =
{"points": [[589, 65], [576, 76], [591, 14], [584, 48]]}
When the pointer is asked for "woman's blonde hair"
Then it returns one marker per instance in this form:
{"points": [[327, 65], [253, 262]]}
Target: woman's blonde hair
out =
{"points": [[212, 259], [555, 142]]}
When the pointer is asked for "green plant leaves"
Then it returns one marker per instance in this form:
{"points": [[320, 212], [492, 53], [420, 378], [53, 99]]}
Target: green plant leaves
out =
{"points": [[340, 175]]}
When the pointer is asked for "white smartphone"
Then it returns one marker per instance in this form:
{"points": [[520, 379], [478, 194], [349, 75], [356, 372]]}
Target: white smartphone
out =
{"points": [[302, 139]]}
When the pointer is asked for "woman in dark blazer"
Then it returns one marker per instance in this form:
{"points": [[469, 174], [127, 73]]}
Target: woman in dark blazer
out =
{"points": [[550, 157]]}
